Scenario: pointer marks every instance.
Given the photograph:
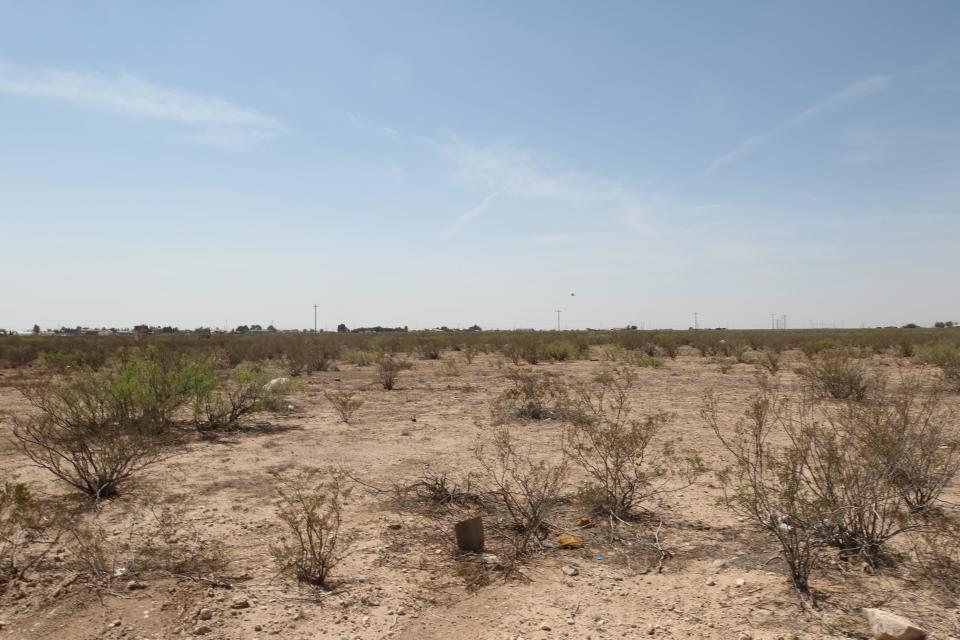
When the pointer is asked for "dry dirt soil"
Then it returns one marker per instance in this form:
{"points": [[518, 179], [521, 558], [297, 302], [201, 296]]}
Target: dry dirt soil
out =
{"points": [[719, 576]]}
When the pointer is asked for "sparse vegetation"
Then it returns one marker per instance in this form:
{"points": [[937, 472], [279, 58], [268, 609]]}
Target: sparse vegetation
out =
{"points": [[346, 403], [311, 507], [249, 389], [526, 486], [92, 432], [836, 374], [615, 448], [531, 396], [388, 371]]}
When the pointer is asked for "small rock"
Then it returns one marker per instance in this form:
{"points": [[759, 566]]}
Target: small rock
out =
{"points": [[135, 585], [711, 581], [544, 627], [571, 570], [889, 626], [204, 614], [115, 623], [394, 525], [583, 521], [201, 630], [740, 582], [240, 603]]}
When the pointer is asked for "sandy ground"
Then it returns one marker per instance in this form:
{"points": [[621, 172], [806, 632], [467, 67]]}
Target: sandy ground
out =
{"points": [[403, 579]]}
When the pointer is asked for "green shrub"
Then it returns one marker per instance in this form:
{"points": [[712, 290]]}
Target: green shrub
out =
{"points": [[93, 432], [362, 358], [640, 359], [615, 448], [249, 389], [532, 396], [560, 350], [946, 356], [837, 375], [24, 523]]}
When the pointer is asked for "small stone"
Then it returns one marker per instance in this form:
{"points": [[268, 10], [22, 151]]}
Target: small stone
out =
{"points": [[202, 630], [394, 525], [711, 581], [401, 611], [740, 582], [571, 570], [135, 585], [204, 614], [889, 626], [115, 623], [544, 627], [652, 630], [258, 627], [240, 603]]}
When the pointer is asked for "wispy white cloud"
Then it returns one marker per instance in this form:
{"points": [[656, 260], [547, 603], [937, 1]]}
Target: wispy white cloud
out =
{"points": [[469, 215], [509, 171], [871, 145], [506, 170], [853, 91], [216, 119], [365, 125]]}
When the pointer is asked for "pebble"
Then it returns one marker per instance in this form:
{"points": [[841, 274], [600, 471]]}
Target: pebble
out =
{"points": [[205, 614], [571, 570], [544, 627], [135, 585]]}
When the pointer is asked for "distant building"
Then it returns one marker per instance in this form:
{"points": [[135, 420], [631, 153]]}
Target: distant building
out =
{"points": [[141, 331]]}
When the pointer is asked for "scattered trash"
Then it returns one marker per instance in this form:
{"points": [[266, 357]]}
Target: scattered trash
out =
{"points": [[489, 558], [567, 541], [598, 558], [276, 384]]}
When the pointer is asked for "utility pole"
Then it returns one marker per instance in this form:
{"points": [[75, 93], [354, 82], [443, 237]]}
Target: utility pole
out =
{"points": [[696, 321], [558, 319], [314, 318]]}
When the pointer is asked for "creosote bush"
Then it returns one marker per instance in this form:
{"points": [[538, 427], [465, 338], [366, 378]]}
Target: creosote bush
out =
{"points": [[24, 522], [615, 448], [249, 389], [946, 356], [345, 403], [93, 432], [836, 374], [848, 476], [767, 483], [526, 487], [311, 506], [388, 371], [531, 396]]}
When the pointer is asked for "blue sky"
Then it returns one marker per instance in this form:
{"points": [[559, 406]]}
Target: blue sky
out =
{"points": [[428, 163]]}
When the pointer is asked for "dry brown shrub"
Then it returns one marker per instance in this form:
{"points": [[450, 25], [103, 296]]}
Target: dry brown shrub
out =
{"points": [[345, 402], [527, 487], [614, 447], [311, 505]]}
